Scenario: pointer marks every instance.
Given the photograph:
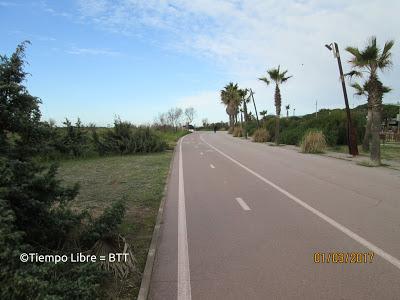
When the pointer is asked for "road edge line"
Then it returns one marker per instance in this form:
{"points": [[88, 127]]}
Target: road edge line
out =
{"points": [[148, 269], [184, 288], [380, 252]]}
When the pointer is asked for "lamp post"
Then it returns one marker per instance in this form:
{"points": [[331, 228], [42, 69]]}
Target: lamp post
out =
{"points": [[398, 119], [351, 132], [255, 108]]}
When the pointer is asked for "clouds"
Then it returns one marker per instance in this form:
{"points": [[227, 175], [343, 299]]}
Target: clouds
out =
{"points": [[245, 37], [92, 51], [206, 103]]}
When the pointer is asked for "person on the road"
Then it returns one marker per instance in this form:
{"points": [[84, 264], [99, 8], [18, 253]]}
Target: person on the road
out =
{"points": [[215, 129]]}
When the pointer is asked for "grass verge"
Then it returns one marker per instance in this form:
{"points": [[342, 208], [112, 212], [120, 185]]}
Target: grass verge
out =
{"points": [[171, 137], [388, 151], [137, 179]]}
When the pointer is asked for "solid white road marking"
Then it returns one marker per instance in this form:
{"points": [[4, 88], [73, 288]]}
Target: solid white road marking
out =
{"points": [[386, 256], [242, 204], [212, 166], [184, 289]]}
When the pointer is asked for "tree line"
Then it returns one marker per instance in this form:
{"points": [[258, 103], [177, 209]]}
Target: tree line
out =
{"points": [[174, 118], [35, 211], [366, 64]]}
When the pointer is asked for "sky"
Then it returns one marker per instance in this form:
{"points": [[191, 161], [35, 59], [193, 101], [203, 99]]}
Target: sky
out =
{"points": [[99, 59]]}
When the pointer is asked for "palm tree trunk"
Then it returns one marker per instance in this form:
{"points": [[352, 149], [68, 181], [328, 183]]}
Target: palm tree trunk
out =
{"points": [[367, 135], [375, 139], [277, 130], [231, 121], [278, 104], [376, 105]]}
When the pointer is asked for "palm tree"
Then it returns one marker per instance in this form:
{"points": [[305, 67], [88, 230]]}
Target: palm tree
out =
{"points": [[230, 96], [287, 110], [244, 100], [362, 91], [278, 77], [370, 60]]}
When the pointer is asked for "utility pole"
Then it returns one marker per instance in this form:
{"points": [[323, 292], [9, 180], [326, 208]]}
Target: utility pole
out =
{"points": [[398, 119], [241, 124], [316, 108], [294, 112], [351, 132], [255, 108]]}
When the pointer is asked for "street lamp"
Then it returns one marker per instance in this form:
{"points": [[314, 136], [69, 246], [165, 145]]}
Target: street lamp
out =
{"points": [[398, 119], [351, 132]]}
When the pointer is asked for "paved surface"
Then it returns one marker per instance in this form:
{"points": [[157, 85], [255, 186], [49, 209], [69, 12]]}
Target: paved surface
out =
{"points": [[246, 220], [362, 158]]}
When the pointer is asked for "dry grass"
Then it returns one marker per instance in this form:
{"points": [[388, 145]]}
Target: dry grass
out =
{"points": [[313, 142], [389, 151], [138, 180], [230, 130], [237, 132], [261, 135]]}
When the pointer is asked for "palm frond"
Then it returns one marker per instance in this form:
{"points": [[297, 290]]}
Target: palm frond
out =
{"points": [[356, 55], [274, 74], [353, 73], [386, 89], [360, 91], [116, 244], [284, 79], [265, 79], [277, 76], [385, 58]]}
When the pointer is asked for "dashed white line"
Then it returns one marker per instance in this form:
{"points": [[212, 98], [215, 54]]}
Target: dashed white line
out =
{"points": [[212, 166], [242, 204], [386, 256], [184, 289]]}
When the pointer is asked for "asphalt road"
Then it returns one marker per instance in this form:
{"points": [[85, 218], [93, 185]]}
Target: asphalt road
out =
{"points": [[244, 220]]}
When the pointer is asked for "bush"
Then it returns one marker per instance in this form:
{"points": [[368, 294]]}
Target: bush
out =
{"points": [[237, 132], [251, 127], [35, 215], [125, 138], [313, 142], [261, 135], [292, 136]]}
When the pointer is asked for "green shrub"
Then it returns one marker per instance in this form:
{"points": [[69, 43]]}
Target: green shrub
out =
{"points": [[313, 142], [261, 136], [35, 215], [104, 225], [292, 136], [237, 132], [125, 138], [251, 127]]}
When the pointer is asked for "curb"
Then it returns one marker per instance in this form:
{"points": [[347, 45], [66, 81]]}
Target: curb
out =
{"points": [[148, 269]]}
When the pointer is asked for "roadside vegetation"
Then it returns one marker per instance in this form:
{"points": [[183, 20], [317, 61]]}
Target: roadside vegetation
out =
{"points": [[389, 151], [73, 189], [138, 180], [331, 125], [278, 77], [313, 142], [261, 135]]}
